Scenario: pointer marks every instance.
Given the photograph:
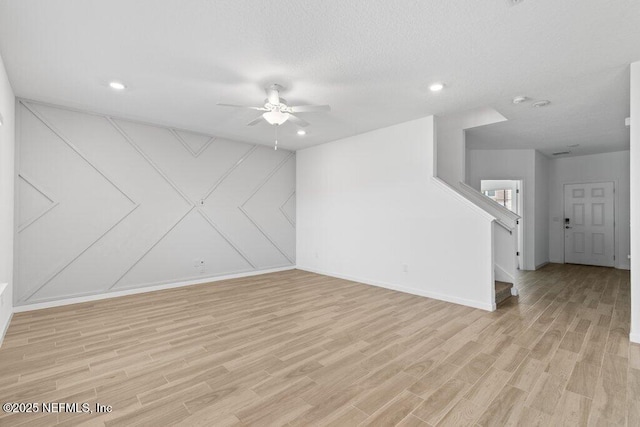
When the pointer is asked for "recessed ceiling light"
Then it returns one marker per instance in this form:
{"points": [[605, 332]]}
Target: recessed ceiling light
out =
{"points": [[542, 103], [117, 85], [573, 145], [302, 132], [519, 99], [436, 87]]}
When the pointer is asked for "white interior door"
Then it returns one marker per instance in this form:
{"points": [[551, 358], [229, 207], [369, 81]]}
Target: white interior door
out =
{"points": [[589, 224]]}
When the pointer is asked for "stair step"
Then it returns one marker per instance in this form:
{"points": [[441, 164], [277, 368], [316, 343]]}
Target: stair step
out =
{"points": [[503, 291]]}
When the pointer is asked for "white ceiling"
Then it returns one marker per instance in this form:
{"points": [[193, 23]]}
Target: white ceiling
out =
{"points": [[372, 60]]}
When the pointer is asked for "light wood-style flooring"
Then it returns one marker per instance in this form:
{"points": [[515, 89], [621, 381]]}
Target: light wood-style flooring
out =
{"points": [[300, 349]]}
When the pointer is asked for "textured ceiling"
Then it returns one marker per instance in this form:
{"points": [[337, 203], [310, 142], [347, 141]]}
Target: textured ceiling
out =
{"points": [[372, 60]]}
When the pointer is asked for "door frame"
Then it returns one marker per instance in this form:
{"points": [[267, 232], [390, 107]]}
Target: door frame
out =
{"points": [[615, 217], [520, 185], [520, 226]]}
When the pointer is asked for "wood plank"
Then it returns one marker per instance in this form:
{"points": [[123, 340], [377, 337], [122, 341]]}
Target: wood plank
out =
{"points": [[583, 379], [504, 407], [395, 411], [438, 403]]}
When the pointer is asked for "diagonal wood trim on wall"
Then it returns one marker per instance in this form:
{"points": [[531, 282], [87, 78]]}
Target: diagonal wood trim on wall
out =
{"points": [[185, 144], [28, 219], [255, 222], [286, 205], [194, 205]]}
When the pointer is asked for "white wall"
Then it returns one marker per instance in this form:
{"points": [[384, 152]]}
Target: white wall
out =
{"points": [[368, 204], [592, 168], [450, 140], [541, 197], [511, 165], [107, 205], [7, 160], [505, 248], [635, 202]]}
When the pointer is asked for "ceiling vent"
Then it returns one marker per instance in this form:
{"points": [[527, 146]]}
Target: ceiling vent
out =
{"points": [[560, 153]]}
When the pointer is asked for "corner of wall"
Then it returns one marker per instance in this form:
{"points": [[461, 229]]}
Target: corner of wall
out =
{"points": [[7, 180], [635, 201]]}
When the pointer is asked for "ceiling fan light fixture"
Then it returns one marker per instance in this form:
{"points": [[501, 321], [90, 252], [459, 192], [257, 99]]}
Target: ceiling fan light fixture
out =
{"points": [[275, 117]]}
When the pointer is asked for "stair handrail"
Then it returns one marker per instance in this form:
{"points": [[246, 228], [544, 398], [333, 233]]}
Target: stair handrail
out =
{"points": [[504, 217]]}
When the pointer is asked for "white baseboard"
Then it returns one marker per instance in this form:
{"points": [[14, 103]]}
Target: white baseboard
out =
{"points": [[133, 291], [413, 291], [5, 329], [539, 266], [8, 309], [621, 266]]}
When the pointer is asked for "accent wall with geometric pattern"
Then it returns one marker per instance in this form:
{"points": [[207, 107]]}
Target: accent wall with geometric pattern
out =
{"points": [[106, 204]]}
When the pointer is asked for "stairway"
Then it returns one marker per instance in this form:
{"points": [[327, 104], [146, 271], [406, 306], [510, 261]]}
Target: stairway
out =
{"points": [[503, 291]]}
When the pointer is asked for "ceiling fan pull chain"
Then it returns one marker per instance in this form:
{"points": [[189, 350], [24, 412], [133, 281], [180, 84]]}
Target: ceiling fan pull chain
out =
{"points": [[275, 147]]}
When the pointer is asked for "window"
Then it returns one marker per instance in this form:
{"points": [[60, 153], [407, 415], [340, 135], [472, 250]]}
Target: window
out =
{"points": [[504, 197]]}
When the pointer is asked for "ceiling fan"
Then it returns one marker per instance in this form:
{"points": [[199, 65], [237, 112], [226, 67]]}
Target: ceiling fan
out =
{"points": [[276, 110]]}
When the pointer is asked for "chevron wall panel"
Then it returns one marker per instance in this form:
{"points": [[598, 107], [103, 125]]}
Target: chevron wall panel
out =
{"points": [[106, 205]]}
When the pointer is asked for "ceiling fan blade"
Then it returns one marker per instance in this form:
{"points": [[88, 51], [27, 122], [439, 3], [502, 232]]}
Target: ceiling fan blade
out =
{"points": [[310, 108], [255, 122], [242, 106], [298, 121], [273, 95]]}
